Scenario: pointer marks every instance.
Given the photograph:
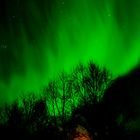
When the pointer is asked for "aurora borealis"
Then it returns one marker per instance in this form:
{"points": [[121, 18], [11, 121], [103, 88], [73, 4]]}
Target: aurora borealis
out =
{"points": [[39, 39]]}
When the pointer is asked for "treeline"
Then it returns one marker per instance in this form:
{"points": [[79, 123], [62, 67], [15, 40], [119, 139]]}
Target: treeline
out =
{"points": [[50, 113]]}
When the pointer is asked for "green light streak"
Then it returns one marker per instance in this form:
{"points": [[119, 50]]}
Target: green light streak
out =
{"points": [[52, 38]]}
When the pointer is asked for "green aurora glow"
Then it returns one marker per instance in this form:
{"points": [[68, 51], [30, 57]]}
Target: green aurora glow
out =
{"points": [[51, 37]]}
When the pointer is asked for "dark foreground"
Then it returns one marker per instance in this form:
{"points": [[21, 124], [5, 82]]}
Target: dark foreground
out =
{"points": [[117, 117]]}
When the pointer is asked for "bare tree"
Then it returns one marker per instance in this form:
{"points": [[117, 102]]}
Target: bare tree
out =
{"points": [[68, 91], [96, 81], [51, 100]]}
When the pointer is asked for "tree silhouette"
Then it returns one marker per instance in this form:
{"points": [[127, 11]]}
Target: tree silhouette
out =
{"points": [[64, 103]]}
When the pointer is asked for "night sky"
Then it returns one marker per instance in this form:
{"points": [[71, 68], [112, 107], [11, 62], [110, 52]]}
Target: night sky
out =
{"points": [[40, 38]]}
